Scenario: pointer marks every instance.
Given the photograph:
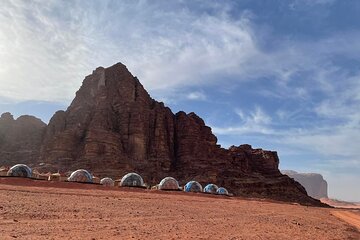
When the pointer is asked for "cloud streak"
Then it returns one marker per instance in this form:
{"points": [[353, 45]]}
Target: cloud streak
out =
{"points": [[49, 48]]}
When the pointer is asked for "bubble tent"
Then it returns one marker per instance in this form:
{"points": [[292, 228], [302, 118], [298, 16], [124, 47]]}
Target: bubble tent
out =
{"points": [[211, 188], [222, 191], [81, 175], [193, 186], [20, 170], [169, 183], [107, 182], [132, 180]]}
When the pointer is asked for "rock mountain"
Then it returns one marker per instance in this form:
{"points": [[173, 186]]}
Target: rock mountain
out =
{"points": [[113, 126], [20, 139], [314, 183]]}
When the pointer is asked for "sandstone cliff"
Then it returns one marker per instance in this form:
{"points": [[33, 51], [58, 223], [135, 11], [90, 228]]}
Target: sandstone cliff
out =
{"points": [[20, 139], [113, 126], [314, 183]]}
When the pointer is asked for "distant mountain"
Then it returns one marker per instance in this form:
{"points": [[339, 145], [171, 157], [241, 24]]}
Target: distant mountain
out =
{"points": [[113, 127], [314, 183], [20, 139]]}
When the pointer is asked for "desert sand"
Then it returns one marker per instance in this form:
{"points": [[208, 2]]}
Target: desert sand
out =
{"points": [[351, 217], [340, 204], [33, 209]]}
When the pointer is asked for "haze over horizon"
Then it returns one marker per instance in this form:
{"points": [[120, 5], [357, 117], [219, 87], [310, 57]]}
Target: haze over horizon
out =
{"points": [[279, 75]]}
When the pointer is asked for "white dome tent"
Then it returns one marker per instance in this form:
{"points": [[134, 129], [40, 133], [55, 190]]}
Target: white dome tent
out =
{"points": [[193, 186], [81, 175], [132, 180], [222, 191], [107, 182], [20, 170], [169, 183], [211, 188]]}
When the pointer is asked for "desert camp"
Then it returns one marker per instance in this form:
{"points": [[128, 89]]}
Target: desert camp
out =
{"points": [[164, 120]]}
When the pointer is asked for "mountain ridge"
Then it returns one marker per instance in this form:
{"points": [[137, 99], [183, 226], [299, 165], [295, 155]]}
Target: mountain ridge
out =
{"points": [[113, 126]]}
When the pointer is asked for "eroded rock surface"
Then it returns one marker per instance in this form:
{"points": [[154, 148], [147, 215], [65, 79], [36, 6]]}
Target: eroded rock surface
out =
{"points": [[20, 139], [113, 127]]}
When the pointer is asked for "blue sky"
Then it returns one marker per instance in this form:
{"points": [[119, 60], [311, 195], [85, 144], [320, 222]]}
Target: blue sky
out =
{"points": [[279, 75]]}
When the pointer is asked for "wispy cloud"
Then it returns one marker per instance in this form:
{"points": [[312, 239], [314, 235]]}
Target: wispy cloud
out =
{"points": [[255, 122], [330, 135], [296, 3], [196, 96], [50, 47]]}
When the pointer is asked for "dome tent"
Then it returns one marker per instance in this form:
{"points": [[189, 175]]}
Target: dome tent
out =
{"points": [[169, 183], [211, 188], [222, 191], [132, 180], [193, 186], [81, 175], [20, 170], [107, 182]]}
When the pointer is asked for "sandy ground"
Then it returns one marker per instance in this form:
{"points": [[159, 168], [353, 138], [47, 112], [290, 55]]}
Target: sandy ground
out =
{"points": [[49, 210], [352, 218], [340, 204]]}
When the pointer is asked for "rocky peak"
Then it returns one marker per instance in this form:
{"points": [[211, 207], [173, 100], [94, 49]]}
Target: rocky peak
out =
{"points": [[105, 84], [7, 118], [28, 120], [255, 160], [7, 121], [20, 139], [113, 126]]}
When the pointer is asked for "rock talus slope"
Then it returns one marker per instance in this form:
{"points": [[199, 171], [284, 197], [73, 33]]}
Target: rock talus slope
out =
{"points": [[113, 126]]}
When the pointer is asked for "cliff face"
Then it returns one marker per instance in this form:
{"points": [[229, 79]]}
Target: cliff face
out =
{"points": [[20, 139], [314, 183], [113, 126]]}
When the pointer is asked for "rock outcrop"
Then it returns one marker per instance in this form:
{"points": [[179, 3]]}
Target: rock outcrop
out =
{"points": [[314, 183], [20, 139], [113, 127]]}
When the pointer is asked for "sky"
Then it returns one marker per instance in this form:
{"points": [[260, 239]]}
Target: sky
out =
{"points": [[279, 75]]}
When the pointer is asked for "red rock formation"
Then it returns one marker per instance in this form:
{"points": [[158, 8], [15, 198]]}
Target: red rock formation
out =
{"points": [[314, 183], [113, 126], [20, 139]]}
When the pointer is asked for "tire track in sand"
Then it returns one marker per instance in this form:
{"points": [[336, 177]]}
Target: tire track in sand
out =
{"points": [[349, 217]]}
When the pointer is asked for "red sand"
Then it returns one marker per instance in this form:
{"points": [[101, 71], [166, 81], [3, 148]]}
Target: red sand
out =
{"points": [[352, 218], [340, 204], [51, 210]]}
